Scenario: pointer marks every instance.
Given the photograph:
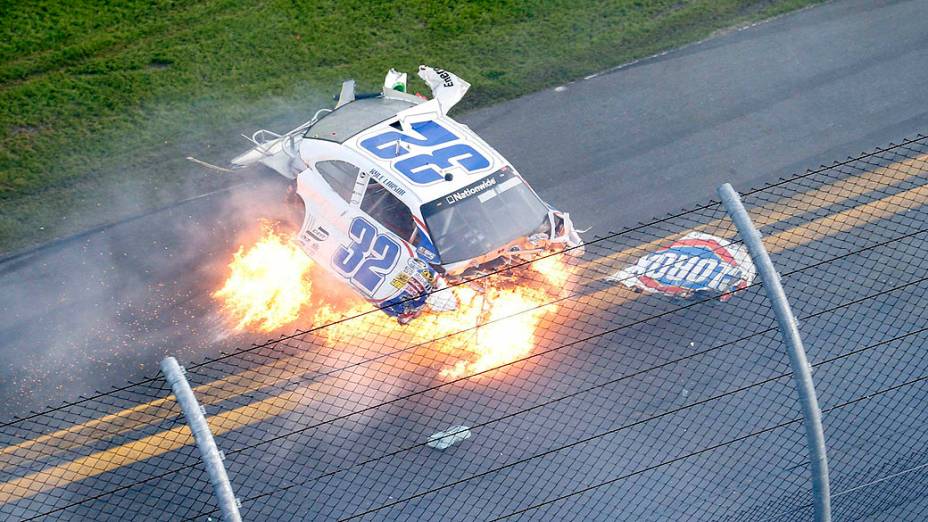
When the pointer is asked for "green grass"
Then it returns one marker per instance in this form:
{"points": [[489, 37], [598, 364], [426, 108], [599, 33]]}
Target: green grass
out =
{"points": [[100, 103]]}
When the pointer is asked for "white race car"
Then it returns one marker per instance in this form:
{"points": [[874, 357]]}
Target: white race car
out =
{"points": [[400, 199]]}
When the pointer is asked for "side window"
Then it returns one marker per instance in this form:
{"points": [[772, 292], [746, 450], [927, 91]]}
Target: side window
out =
{"points": [[386, 208], [340, 175]]}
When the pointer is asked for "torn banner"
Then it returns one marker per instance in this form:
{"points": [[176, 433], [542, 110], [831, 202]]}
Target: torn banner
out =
{"points": [[695, 264]]}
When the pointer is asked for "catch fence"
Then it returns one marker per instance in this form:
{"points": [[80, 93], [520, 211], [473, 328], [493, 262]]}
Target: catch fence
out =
{"points": [[624, 406]]}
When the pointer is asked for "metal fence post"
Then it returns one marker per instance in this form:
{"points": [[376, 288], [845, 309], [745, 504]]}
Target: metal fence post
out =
{"points": [[228, 504], [802, 373]]}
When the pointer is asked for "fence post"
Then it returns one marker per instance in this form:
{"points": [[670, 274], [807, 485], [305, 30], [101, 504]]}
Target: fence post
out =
{"points": [[228, 504], [802, 372]]}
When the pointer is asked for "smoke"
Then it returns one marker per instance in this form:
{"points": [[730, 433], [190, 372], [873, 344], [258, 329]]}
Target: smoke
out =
{"points": [[102, 308]]}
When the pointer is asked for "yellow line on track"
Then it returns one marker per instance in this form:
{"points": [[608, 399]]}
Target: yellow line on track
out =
{"points": [[251, 380], [830, 194], [134, 418], [141, 449], [846, 220]]}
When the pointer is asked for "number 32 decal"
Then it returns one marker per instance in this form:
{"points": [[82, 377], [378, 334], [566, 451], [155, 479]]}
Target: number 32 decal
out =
{"points": [[370, 257], [420, 168]]}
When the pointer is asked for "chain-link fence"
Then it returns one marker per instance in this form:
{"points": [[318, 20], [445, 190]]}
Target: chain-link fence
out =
{"points": [[617, 406]]}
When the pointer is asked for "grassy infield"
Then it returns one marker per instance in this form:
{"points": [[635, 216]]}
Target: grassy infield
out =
{"points": [[98, 105]]}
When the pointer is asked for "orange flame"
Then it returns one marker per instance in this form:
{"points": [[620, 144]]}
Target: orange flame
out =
{"points": [[268, 284], [505, 332], [492, 326]]}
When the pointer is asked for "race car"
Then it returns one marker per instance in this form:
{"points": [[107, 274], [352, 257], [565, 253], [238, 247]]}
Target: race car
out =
{"points": [[400, 199]]}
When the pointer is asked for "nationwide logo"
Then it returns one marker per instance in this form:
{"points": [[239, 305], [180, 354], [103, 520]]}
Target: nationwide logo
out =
{"points": [[468, 192]]}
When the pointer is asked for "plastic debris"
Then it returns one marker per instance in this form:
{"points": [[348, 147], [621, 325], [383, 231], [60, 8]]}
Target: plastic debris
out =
{"points": [[395, 80]]}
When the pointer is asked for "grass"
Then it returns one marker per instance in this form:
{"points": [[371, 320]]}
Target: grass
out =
{"points": [[100, 102]]}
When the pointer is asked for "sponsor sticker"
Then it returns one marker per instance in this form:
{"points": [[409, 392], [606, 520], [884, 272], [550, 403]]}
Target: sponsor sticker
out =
{"points": [[426, 253], [696, 263], [465, 193], [400, 280], [415, 282], [447, 81], [416, 277], [319, 234], [483, 189]]}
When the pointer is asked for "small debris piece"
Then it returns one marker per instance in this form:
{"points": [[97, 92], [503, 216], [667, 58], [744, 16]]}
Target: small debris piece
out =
{"points": [[446, 439]]}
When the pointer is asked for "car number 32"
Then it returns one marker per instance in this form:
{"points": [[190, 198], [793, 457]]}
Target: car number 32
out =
{"points": [[369, 258], [420, 168]]}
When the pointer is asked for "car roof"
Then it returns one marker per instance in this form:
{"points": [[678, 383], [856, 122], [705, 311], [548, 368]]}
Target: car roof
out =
{"points": [[348, 124], [356, 116]]}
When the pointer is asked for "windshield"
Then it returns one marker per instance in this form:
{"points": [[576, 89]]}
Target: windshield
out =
{"points": [[483, 216]]}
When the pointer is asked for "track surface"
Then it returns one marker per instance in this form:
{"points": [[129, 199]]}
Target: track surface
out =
{"points": [[747, 107]]}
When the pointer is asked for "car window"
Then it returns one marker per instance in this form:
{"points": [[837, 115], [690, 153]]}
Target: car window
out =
{"points": [[386, 208], [340, 175]]}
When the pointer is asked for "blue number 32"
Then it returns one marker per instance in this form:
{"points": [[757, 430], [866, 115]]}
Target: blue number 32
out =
{"points": [[370, 257], [420, 168]]}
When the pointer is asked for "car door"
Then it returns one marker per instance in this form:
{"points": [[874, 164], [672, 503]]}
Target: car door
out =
{"points": [[349, 243]]}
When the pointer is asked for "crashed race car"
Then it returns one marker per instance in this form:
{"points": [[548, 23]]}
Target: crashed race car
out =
{"points": [[401, 200]]}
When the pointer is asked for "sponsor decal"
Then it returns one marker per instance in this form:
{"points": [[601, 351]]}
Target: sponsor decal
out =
{"points": [[310, 239], [416, 277], [358, 192], [390, 185], [483, 189], [446, 78], [400, 280], [319, 234], [425, 249], [426, 253], [697, 263], [415, 282], [468, 192]]}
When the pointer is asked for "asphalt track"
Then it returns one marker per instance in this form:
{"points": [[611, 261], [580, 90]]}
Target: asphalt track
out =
{"points": [[747, 107]]}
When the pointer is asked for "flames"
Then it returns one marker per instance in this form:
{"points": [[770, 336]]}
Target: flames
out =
{"points": [[268, 284], [502, 332], [496, 321]]}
